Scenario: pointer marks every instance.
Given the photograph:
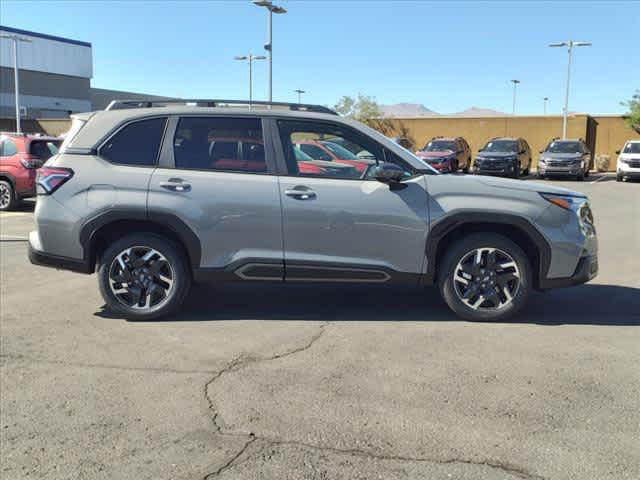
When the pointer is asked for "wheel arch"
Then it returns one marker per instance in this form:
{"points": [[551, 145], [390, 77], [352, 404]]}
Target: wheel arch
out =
{"points": [[516, 228], [103, 229]]}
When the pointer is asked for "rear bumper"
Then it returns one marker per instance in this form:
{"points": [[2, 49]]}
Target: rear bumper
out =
{"points": [[586, 270], [38, 257]]}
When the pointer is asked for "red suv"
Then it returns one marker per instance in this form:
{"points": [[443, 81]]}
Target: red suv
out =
{"points": [[20, 156]]}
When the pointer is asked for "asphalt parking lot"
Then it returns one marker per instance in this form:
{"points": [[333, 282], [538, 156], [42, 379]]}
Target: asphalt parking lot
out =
{"points": [[307, 382]]}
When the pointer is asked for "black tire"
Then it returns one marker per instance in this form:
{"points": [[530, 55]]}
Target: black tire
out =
{"points": [[468, 166], [173, 256], [527, 170], [581, 176], [459, 250], [8, 200], [540, 176], [516, 170], [619, 177]]}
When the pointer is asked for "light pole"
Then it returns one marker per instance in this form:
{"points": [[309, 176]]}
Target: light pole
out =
{"points": [[269, 45], [300, 92], [545, 99], [570, 44], [250, 58], [515, 84], [16, 85]]}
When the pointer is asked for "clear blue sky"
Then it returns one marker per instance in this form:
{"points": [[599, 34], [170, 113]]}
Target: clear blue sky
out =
{"points": [[448, 56]]}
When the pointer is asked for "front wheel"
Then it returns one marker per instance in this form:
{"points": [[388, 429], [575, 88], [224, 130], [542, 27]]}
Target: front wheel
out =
{"points": [[619, 177], [467, 166], [485, 276], [143, 276]]}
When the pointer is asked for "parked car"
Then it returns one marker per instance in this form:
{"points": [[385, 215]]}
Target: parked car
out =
{"points": [[149, 232], [354, 148], [328, 151], [447, 154], [565, 158], [509, 157], [20, 156], [628, 165]]}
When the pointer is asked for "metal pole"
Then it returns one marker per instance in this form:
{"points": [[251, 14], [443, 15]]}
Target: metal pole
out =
{"points": [[513, 110], [270, 36], [566, 98], [250, 80], [545, 104], [16, 83]]}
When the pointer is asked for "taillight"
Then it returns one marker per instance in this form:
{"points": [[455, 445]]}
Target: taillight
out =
{"points": [[49, 179]]}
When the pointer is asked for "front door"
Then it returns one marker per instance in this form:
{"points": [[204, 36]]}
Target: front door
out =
{"points": [[338, 223]]}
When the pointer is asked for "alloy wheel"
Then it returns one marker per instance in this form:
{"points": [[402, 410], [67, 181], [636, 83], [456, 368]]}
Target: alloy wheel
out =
{"points": [[486, 279], [141, 278], [5, 196]]}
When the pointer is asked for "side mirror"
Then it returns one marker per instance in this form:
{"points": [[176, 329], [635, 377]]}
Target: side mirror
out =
{"points": [[388, 173], [617, 152]]}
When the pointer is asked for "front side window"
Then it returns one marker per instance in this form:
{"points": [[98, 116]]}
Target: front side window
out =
{"points": [[137, 144], [220, 144], [318, 150]]}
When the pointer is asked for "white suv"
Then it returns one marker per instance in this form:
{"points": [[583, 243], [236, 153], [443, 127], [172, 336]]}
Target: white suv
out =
{"points": [[628, 165]]}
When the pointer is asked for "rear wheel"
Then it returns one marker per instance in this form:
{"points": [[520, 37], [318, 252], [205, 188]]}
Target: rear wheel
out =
{"points": [[8, 199], [143, 276], [485, 276]]}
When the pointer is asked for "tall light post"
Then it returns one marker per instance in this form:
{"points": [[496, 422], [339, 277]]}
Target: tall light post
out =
{"points": [[16, 85], [515, 84], [545, 100], [269, 45], [300, 92], [570, 44], [250, 59]]}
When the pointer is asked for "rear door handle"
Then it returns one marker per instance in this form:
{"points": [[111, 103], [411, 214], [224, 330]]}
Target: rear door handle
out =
{"points": [[300, 194], [176, 185]]}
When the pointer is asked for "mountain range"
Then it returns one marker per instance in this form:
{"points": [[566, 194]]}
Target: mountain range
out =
{"points": [[408, 110]]}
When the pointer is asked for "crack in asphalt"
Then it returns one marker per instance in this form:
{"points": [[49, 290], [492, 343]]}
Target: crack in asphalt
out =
{"points": [[243, 361]]}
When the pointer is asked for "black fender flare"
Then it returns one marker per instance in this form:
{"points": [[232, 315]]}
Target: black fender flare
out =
{"points": [[458, 218], [163, 219]]}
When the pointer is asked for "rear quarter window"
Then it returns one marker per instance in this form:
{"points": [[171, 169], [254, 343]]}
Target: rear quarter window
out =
{"points": [[136, 144]]}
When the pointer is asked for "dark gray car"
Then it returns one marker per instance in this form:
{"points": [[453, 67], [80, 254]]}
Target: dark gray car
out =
{"points": [[145, 197], [566, 158]]}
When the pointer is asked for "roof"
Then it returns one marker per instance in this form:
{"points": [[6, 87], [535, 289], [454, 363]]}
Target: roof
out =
{"points": [[45, 36]]}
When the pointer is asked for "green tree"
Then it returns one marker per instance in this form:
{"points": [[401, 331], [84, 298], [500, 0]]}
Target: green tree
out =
{"points": [[633, 116], [366, 109]]}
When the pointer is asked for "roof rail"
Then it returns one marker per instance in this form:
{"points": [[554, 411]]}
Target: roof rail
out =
{"points": [[22, 134], [303, 107]]}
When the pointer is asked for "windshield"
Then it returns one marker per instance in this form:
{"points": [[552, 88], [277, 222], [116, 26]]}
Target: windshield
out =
{"points": [[339, 151], [632, 147], [509, 146], [564, 147], [440, 146]]}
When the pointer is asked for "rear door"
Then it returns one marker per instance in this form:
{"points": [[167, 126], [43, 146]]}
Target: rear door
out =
{"points": [[355, 228], [217, 176]]}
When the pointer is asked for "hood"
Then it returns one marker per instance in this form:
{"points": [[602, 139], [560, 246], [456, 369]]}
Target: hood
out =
{"points": [[497, 154], [425, 154], [525, 186], [561, 156], [629, 156]]}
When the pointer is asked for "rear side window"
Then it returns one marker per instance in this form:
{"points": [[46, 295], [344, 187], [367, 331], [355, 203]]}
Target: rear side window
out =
{"points": [[43, 149], [8, 148], [136, 144], [220, 144]]}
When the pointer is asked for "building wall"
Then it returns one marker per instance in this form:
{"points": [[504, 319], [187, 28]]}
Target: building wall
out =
{"points": [[101, 97], [611, 131]]}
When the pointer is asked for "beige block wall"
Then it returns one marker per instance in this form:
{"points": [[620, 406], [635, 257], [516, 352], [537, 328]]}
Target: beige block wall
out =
{"points": [[612, 133], [53, 127]]}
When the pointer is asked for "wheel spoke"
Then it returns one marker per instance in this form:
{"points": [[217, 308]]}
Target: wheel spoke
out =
{"points": [[503, 279], [136, 294], [478, 302], [491, 259]]}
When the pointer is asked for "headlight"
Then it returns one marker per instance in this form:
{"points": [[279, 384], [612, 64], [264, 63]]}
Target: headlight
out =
{"points": [[579, 205]]}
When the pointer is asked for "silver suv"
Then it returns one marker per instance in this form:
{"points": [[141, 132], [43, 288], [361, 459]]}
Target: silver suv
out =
{"points": [[158, 196]]}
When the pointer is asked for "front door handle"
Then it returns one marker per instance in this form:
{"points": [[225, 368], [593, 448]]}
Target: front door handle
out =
{"points": [[301, 194], [176, 185]]}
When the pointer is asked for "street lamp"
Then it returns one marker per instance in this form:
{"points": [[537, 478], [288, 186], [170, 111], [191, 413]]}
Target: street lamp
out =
{"points": [[16, 39], [570, 44], [269, 45], [515, 84], [300, 92], [545, 99], [249, 59]]}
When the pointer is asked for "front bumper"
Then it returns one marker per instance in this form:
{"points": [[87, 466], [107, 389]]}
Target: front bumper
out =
{"points": [[628, 171], [494, 170], [573, 169], [586, 270]]}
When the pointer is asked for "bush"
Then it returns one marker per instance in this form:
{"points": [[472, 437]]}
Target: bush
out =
{"points": [[602, 163]]}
